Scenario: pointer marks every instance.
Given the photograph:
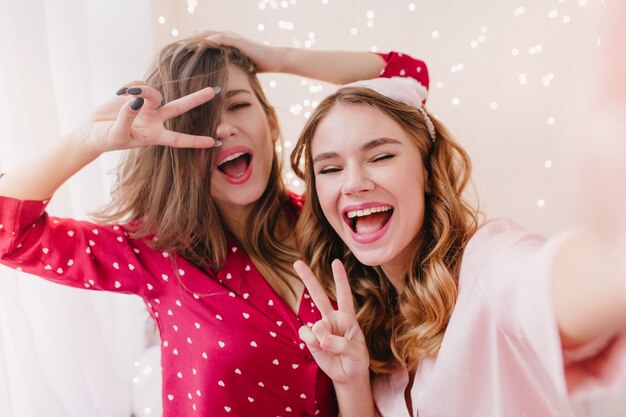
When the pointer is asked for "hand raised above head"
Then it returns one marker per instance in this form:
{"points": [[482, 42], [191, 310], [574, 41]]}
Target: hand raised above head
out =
{"points": [[267, 58], [136, 118], [336, 341]]}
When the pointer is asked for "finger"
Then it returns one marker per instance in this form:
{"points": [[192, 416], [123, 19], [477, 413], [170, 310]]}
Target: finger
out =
{"points": [[335, 344], [216, 37], [307, 336], [184, 140], [188, 102], [320, 329], [223, 38], [345, 302], [153, 97], [123, 91], [125, 118], [352, 353], [203, 33], [316, 291]]}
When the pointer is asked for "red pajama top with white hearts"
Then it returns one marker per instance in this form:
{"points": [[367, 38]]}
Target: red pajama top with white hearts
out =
{"points": [[403, 65], [230, 343]]}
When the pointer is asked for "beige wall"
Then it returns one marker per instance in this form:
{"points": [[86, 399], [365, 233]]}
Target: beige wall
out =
{"points": [[510, 144]]}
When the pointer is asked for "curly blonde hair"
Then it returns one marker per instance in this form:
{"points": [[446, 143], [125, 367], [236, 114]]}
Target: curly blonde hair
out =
{"points": [[399, 328]]}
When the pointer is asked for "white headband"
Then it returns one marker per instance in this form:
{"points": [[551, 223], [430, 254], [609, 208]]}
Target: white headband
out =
{"points": [[405, 90]]}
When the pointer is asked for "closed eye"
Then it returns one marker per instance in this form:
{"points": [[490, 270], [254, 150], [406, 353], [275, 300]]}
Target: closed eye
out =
{"points": [[328, 170], [238, 106], [383, 157]]}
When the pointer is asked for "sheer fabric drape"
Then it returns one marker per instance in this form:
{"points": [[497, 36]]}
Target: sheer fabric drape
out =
{"points": [[66, 352]]}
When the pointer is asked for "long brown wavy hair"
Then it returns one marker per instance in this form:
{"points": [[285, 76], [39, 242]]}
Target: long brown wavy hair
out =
{"points": [[399, 328], [165, 192]]}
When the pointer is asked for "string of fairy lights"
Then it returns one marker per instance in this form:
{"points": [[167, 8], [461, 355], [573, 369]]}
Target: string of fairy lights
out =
{"points": [[520, 36]]}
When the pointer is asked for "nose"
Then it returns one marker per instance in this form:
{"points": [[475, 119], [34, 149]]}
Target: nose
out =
{"points": [[356, 181], [225, 129]]}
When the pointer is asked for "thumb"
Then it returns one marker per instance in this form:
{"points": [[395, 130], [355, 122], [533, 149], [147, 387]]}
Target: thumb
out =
{"points": [[308, 337], [335, 344], [351, 350]]}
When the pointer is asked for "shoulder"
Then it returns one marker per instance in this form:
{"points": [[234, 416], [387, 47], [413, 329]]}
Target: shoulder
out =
{"points": [[499, 234], [496, 244], [295, 201], [502, 255]]}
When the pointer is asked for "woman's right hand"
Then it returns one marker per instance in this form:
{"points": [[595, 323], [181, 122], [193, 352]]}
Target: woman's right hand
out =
{"points": [[336, 341], [135, 120]]}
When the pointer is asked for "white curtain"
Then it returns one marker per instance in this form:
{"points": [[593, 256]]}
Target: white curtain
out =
{"points": [[66, 352]]}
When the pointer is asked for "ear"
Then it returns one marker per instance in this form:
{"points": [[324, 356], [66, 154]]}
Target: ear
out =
{"points": [[274, 130]]}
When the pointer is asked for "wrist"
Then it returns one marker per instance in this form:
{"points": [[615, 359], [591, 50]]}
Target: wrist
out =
{"points": [[283, 59], [84, 143], [355, 398], [356, 384]]}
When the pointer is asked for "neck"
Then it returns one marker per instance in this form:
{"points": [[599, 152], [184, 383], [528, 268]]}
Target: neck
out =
{"points": [[235, 218], [397, 269], [395, 273]]}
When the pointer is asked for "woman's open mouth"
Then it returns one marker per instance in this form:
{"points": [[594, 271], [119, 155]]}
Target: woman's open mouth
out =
{"points": [[236, 167], [368, 224]]}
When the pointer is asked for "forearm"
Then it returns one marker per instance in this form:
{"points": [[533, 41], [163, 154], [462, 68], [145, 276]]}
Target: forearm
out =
{"points": [[337, 67], [355, 399], [589, 288], [38, 179]]}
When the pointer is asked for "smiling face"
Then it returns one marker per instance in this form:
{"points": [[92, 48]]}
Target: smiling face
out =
{"points": [[243, 164], [370, 182]]}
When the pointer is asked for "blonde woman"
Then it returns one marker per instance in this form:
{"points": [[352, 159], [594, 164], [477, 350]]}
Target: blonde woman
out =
{"points": [[433, 315]]}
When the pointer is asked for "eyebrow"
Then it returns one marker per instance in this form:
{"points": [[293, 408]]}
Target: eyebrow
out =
{"points": [[231, 93], [378, 142], [364, 148]]}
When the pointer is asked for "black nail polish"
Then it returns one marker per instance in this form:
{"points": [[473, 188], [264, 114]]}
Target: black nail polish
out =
{"points": [[217, 89], [137, 103], [134, 91], [121, 91]]}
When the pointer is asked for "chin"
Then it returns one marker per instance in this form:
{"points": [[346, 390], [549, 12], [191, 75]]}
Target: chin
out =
{"points": [[369, 258], [248, 198], [369, 262]]}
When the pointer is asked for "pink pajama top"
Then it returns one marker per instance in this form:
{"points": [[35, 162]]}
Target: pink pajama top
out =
{"points": [[230, 344], [501, 354]]}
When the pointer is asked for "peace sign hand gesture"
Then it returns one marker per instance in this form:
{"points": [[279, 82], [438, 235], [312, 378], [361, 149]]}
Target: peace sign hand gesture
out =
{"points": [[136, 118], [336, 341]]}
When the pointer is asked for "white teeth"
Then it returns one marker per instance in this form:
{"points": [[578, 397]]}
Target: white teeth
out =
{"points": [[366, 212], [231, 157]]}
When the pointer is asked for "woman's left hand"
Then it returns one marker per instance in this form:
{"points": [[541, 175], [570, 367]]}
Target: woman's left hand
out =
{"points": [[116, 125], [267, 58], [336, 341]]}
